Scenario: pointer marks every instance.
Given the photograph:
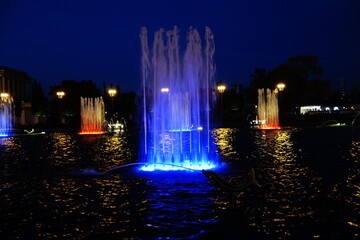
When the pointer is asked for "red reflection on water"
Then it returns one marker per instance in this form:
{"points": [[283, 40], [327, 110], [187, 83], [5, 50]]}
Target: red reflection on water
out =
{"points": [[270, 128], [91, 133]]}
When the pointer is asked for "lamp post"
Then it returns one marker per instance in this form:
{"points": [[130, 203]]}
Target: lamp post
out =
{"points": [[280, 87], [221, 89], [60, 95], [112, 93]]}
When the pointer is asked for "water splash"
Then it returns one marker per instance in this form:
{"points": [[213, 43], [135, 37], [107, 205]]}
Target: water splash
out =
{"points": [[6, 116], [268, 109], [177, 92], [92, 115]]}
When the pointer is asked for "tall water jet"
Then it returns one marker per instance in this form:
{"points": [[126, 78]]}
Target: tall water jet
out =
{"points": [[92, 115], [177, 95], [6, 115], [268, 109]]}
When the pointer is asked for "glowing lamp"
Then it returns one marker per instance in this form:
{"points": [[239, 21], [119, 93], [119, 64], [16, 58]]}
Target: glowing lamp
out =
{"points": [[165, 90], [281, 86], [4, 95], [60, 94], [221, 88], [112, 92]]}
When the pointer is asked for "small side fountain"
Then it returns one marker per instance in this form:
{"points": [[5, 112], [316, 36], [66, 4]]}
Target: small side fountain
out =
{"points": [[116, 127], [177, 92], [92, 115], [268, 109], [6, 115]]}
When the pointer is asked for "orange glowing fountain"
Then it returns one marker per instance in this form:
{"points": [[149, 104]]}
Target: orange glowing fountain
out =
{"points": [[92, 115], [268, 109]]}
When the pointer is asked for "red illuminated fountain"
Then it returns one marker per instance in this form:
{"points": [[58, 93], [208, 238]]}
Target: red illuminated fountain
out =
{"points": [[268, 109], [92, 115]]}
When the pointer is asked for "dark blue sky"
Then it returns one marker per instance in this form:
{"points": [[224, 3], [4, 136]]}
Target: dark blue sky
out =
{"points": [[86, 39]]}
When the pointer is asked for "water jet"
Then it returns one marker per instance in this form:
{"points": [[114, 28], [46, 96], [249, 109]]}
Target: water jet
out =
{"points": [[177, 96], [6, 116], [92, 115], [268, 109]]}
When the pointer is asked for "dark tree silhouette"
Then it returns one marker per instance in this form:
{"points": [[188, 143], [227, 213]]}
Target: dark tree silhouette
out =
{"points": [[70, 103], [39, 103], [300, 74]]}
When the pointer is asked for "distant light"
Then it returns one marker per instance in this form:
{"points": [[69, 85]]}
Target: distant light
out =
{"points": [[327, 109], [60, 94], [336, 108], [305, 109], [200, 128], [281, 86], [112, 92], [4, 95], [221, 88], [165, 90]]}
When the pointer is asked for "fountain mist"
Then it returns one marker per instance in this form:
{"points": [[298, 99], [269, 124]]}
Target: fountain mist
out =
{"points": [[6, 116], [268, 110], [177, 91], [92, 115]]}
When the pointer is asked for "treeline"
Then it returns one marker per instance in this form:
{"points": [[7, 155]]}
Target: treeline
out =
{"points": [[301, 74]]}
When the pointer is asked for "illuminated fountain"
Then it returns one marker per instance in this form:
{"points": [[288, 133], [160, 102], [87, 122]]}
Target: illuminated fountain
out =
{"points": [[177, 92], [92, 115], [268, 109], [6, 114]]}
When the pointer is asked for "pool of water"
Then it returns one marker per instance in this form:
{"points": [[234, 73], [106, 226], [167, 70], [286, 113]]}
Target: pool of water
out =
{"points": [[309, 188]]}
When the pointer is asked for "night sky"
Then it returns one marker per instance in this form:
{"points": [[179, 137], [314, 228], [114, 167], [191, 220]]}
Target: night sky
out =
{"points": [[55, 40]]}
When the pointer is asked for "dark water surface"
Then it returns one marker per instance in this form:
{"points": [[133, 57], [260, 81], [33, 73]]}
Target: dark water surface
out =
{"points": [[310, 188]]}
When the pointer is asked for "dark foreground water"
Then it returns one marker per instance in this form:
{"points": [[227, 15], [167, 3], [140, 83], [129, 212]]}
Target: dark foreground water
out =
{"points": [[309, 179]]}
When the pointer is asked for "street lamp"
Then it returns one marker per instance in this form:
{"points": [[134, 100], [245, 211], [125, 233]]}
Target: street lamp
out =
{"points": [[60, 95], [4, 95], [112, 92], [221, 88], [281, 86]]}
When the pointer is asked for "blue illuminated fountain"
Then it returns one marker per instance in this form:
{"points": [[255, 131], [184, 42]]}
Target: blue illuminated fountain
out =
{"points": [[6, 115], [177, 96]]}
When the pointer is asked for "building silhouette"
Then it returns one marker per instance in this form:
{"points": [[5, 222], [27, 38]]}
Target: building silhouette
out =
{"points": [[18, 85]]}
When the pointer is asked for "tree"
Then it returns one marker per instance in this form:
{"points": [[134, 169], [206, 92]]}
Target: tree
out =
{"points": [[70, 104], [39, 103], [233, 103], [300, 74]]}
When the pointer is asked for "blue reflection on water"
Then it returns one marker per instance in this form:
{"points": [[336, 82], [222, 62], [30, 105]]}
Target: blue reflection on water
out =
{"points": [[309, 181]]}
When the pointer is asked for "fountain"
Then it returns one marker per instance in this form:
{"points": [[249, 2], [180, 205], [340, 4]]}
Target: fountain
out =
{"points": [[177, 92], [268, 110], [92, 115], [6, 116], [116, 127]]}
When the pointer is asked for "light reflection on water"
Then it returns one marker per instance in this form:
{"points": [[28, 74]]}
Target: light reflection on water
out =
{"points": [[350, 189], [63, 149], [353, 184], [288, 185], [40, 200], [295, 168]]}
